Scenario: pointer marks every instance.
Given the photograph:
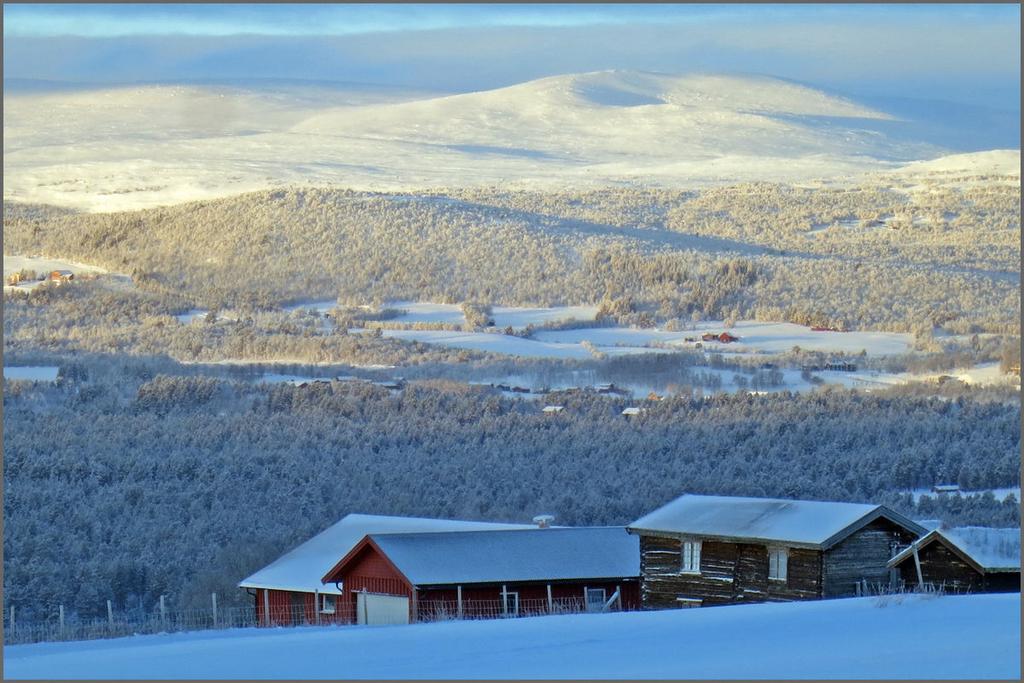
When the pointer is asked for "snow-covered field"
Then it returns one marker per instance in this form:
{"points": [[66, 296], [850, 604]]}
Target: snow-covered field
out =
{"points": [[31, 373], [139, 146], [510, 345], [43, 265], [950, 637]]}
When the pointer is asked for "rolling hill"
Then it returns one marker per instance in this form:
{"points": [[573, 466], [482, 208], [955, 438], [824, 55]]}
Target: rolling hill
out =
{"points": [[139, 146]]}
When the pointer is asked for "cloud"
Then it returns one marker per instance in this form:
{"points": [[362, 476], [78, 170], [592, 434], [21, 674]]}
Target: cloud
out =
{"points": [[972, 60]]}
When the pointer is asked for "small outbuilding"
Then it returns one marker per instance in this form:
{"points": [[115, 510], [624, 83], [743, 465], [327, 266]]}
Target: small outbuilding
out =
{"points": [[402, 578], [962, 560], [62, 276]]}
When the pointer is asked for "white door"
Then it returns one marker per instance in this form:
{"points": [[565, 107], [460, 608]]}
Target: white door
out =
{"points": [[376, 610]]}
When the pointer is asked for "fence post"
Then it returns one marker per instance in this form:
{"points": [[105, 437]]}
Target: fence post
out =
{"points": [[459, 595], [316, 605], [551, 603], [62, 621], [163, 613], [110, 614], [213, 596]]}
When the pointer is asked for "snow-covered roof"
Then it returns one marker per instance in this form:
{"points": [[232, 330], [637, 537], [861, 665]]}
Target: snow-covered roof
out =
{"points": [[302, 568], [990, 549], [527, 555], [807, 522]]}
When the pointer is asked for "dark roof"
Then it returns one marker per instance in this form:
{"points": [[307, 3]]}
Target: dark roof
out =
{"points": [[554, 554], [812, 523]]}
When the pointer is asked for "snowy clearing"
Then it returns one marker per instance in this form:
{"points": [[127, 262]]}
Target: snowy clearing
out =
{"points": [[494, 342], [31, 373], [951, 637], [44, 266]]}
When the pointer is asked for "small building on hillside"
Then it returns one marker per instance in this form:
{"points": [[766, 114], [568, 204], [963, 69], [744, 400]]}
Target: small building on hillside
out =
{"points": [[289, 590], [62, 276], [402, 578], [946, 488], [712, 550], [727, 338], [550, 410], [962, 560], [841, 366]]}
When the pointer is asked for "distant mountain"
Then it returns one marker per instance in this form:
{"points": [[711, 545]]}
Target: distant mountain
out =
{"points": [[634, 117], [138, 145]]}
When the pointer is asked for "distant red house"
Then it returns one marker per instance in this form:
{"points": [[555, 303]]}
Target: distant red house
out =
{"points": [[62, 276], [724, 337], [402, 578]]}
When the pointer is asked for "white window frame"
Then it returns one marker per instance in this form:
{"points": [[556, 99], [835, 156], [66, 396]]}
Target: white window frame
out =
{"points": [[593, 605], [778, 563], [328, 607], [689, 556], [511, 604]]}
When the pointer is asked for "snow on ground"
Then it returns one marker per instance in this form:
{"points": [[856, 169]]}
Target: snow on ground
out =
{"points": [[31, 373], [518, 317], [1002, 162], [122, 148], [44, 266], [949, 637], [510, 345], [754, 336]]}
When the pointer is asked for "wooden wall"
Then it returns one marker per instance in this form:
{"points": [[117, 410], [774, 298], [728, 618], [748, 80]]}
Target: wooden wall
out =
{"points": [[942, 566], [730, 573], [862, 556]]}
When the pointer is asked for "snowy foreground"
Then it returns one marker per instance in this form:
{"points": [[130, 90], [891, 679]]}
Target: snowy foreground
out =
{"points": [[950, 637]]}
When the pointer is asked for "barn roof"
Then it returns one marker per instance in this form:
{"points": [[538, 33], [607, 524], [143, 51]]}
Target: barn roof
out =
{"points": [[805, 522], [988, 549], [301, 568], [552, 554]]}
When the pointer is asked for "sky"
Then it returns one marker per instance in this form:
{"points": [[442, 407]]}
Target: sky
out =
{"points": [[969, 54]]}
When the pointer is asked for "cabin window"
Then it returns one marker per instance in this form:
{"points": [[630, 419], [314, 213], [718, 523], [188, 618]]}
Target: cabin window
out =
{"points": [[691, 557], [327, 604], [596, 597], [778, 563]]}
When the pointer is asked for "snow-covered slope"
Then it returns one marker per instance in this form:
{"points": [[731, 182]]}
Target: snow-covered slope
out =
{"points": [[962, 637], [123, 148]]}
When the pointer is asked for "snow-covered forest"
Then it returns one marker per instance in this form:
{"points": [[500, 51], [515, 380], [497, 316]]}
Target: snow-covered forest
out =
{"points": [[127, 484], [864, 256]]}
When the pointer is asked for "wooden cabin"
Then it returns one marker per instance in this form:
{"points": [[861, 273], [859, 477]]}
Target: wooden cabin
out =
{"points": [[727, 338], [289, 590], [403, 578], [962, 560], [62, 276], [714, 550]]}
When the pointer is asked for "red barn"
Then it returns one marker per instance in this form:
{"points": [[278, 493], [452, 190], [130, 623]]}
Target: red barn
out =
{"points": [[727, 338], [398, 578], [289, 589]]}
